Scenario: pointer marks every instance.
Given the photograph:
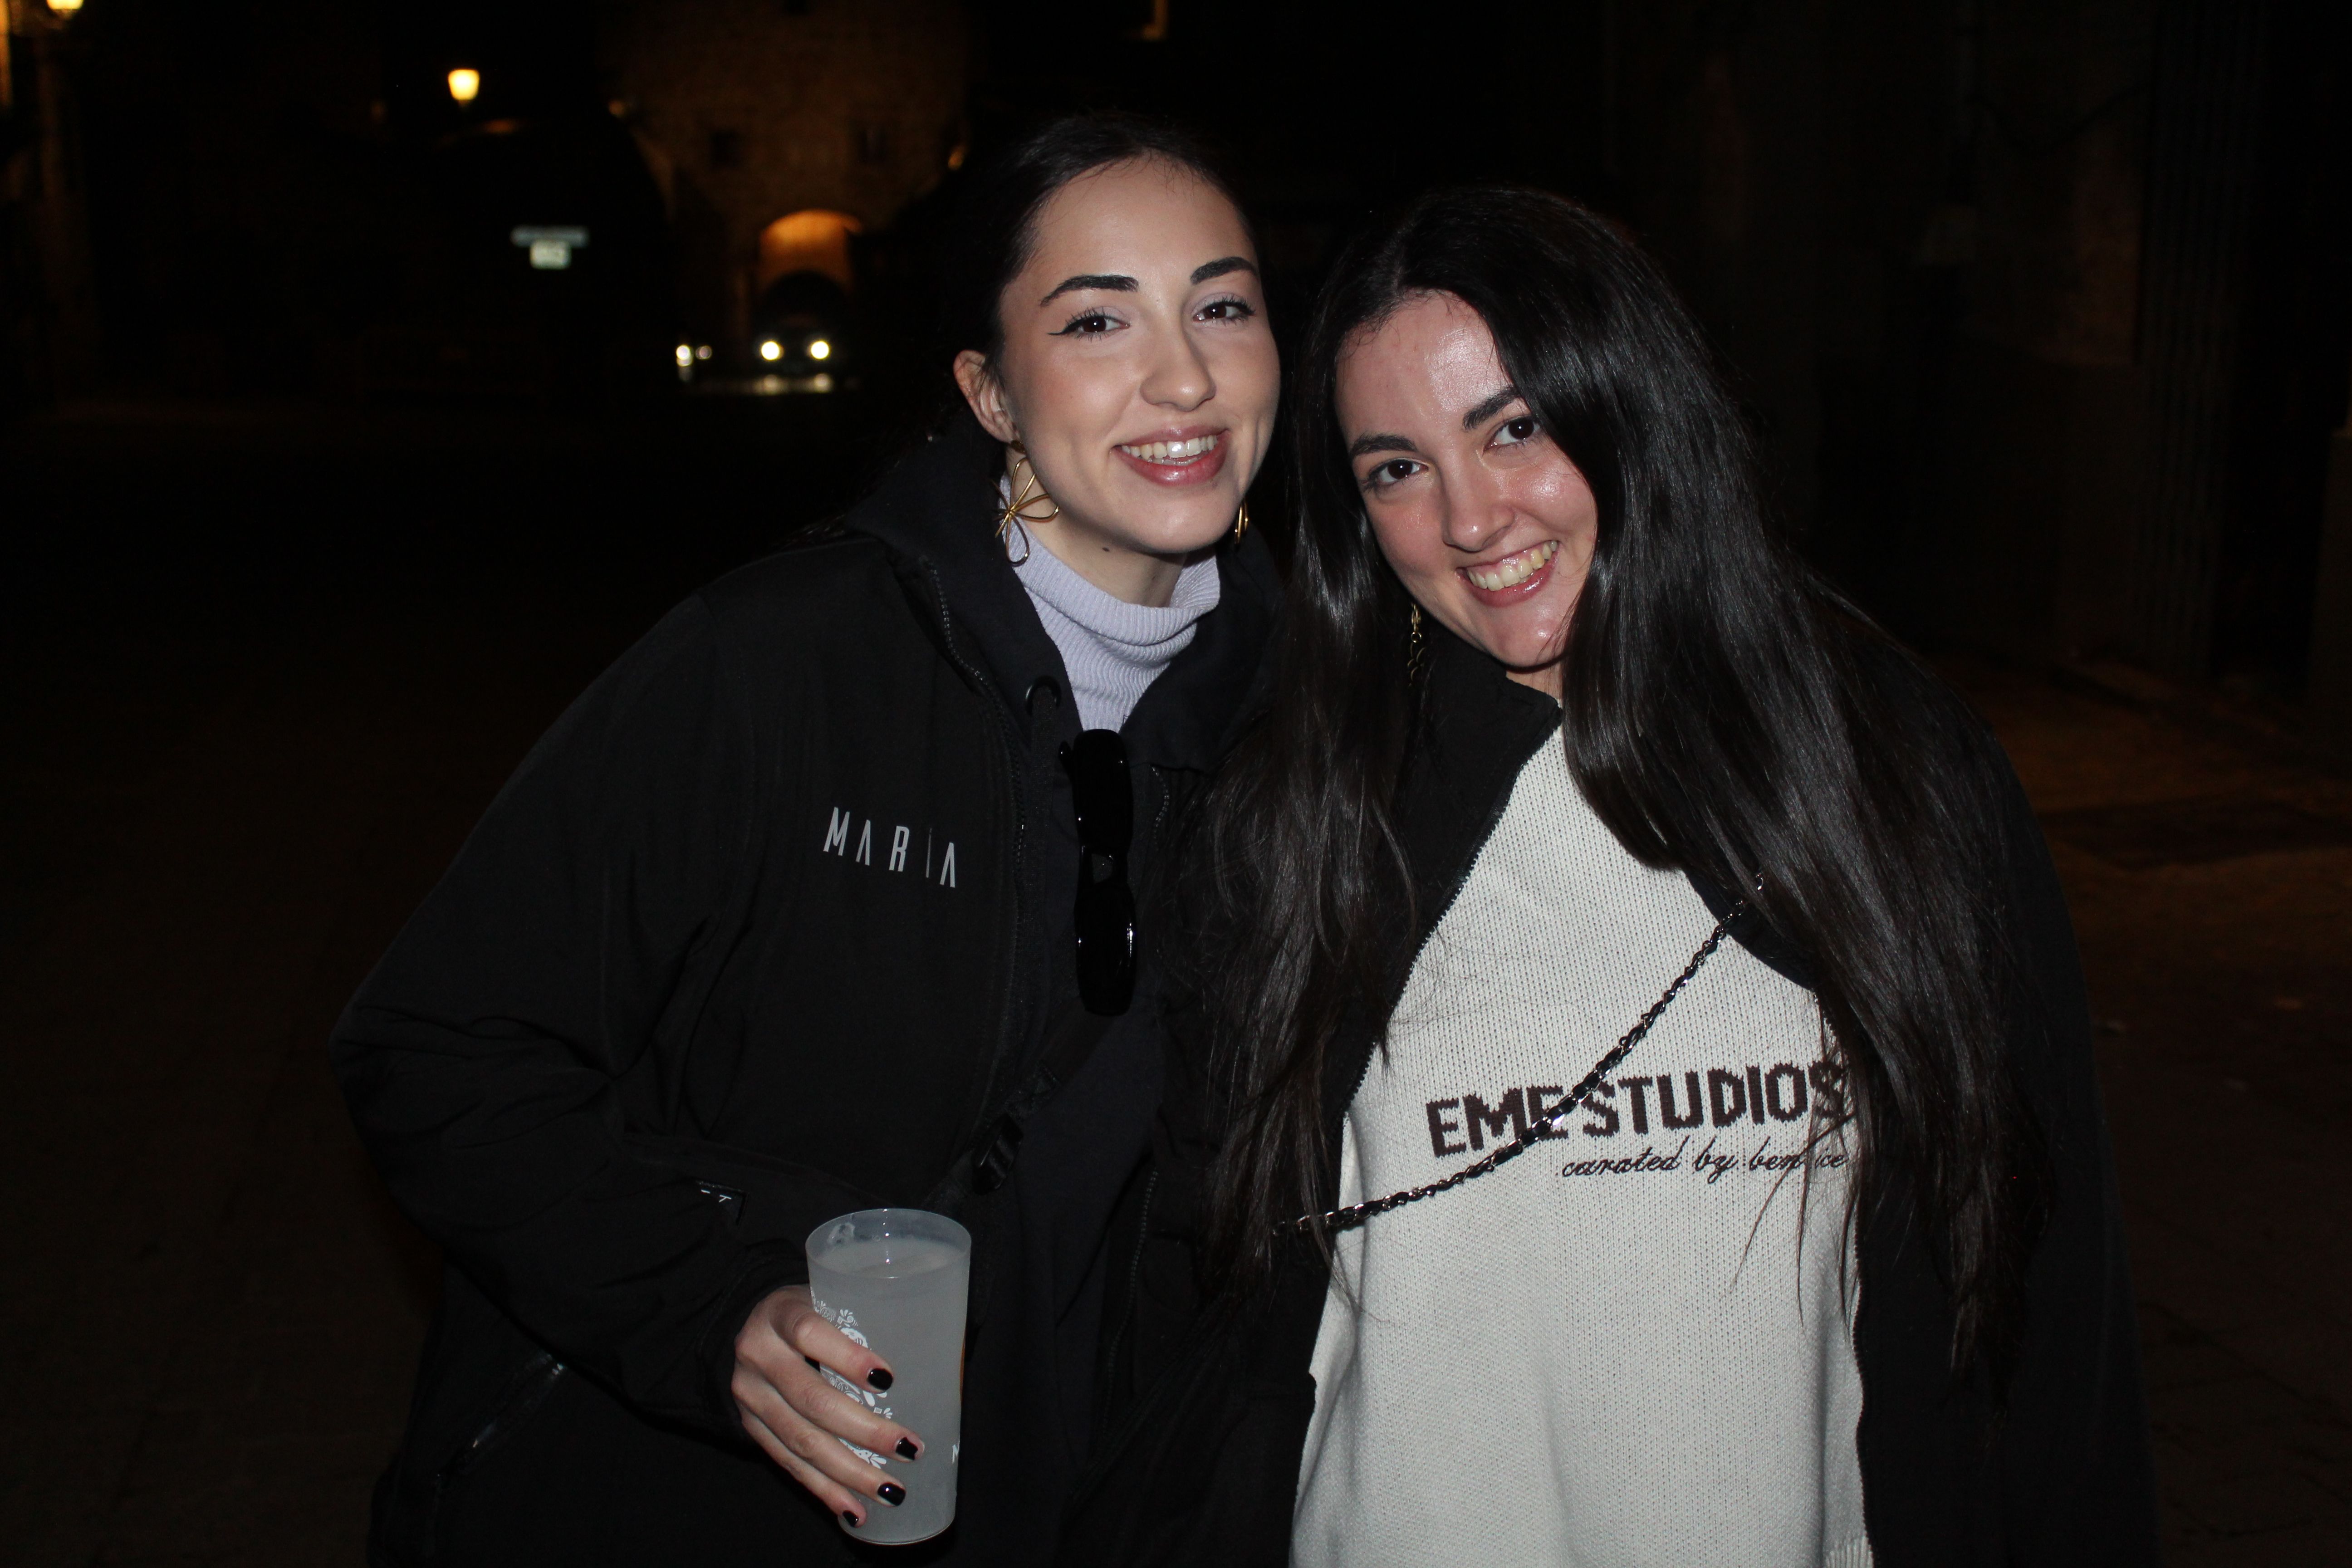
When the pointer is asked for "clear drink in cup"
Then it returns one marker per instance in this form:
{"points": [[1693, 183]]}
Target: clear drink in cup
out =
{"points": [[896, 1281]]}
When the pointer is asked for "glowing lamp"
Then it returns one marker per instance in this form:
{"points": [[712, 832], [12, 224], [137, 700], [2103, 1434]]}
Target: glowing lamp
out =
{"points": [[771, 350], [465, 83], [820, 349], [65, 7], [685, 356]]}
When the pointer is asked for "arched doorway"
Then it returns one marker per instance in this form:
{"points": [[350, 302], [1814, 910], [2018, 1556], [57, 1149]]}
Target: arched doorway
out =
{"points": [[811, 240]]}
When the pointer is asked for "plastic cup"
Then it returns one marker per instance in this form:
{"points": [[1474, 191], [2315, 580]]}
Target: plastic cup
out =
{"points": [[897, 1281]]}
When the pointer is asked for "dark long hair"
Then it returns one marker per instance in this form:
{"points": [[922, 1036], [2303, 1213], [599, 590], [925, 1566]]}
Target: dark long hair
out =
{"points": [[1724, 713]]}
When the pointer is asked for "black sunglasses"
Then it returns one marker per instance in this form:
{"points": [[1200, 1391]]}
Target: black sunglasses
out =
{"points": [[1096, 762]]}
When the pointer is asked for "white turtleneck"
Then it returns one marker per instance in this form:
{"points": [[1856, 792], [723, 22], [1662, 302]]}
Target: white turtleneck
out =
{"points": [[1112, 650]]}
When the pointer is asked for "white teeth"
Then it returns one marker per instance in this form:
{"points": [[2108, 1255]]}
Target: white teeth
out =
{"points": [[1513, 570], [1172, 451]]}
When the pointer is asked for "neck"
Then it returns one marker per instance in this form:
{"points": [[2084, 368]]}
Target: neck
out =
{"points": [[1137, 576]]}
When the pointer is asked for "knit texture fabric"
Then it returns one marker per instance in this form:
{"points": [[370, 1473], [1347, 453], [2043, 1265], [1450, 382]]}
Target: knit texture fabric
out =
{"points": [[1112, 650], [1631, 1345]]}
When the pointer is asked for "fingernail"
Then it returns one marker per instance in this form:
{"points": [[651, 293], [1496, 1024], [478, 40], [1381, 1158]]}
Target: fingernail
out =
{"points": [[907, 1449], [849, 1519], [881, 1379], [891, 1492]]}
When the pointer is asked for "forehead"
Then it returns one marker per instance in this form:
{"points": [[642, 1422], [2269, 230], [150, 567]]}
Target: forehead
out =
{"points": [[1429, 361], [1136, 218]]}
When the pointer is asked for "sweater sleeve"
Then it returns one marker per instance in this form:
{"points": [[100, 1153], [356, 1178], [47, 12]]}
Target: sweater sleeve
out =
{"points": [[482, 1058], [2077, 1477]]}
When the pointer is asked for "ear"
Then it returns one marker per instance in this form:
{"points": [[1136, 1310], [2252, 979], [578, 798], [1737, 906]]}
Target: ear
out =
{"points": [[985, 394]]}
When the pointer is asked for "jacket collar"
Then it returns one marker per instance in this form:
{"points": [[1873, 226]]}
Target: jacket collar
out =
{"points": [[1479, 728], [935, 510]]}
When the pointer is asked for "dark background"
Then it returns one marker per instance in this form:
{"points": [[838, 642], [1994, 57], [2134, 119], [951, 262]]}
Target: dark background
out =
{"points": [[2042, 309], [319, 500]]}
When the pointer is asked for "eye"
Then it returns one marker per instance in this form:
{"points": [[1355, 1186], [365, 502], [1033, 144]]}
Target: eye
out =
{"points": [[1513, 431], [1227, 310], [1092, 324], [1393, 472]]}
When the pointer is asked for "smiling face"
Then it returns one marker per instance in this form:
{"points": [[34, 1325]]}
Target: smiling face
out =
{"points": [[1484, 519], [1137, 370]]}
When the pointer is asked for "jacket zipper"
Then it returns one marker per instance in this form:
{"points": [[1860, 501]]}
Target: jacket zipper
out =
{"points": [[1134, 1270], [525, 1393], [972, 672]]}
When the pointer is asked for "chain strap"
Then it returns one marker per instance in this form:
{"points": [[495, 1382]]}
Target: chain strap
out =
{"points": [[1355, 1215]]}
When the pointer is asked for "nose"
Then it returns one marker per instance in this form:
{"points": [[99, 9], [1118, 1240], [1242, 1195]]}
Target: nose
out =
{"points": [[1177, 376], [1476, 512]]}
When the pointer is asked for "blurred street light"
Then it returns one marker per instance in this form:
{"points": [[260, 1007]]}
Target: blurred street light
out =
{"points": [[771, 350], [819, 348], [65, 7], [465, 82]]}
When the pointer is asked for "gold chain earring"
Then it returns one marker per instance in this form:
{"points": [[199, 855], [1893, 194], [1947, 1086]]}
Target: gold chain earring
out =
{"points": [[1416, 649], [1241, 521], [1016, 510]]}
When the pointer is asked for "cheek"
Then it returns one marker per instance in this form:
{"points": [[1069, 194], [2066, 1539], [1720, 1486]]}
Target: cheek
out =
{"points": [[1251, 374], [1409, 539], [1558, 495], [1062, 399]]}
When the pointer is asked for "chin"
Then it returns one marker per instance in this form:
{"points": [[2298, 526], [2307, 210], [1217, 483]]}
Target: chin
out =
{"points": [[1188, 534], [1519, 652]]}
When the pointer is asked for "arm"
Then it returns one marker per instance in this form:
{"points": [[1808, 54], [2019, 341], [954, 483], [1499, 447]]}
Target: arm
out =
{"points": [[485, 1062]]}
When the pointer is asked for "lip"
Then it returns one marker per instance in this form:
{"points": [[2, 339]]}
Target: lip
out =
{"points": [[1517, 593], [1199, 470]]}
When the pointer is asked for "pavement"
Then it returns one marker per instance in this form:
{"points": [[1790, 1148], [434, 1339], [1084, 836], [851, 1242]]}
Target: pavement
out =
{"points": [[2208, 862], [258, 672]]}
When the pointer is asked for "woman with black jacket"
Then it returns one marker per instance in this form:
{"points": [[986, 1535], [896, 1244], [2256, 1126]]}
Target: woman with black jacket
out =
{"points": [[820, 899], [1634, 1102]]}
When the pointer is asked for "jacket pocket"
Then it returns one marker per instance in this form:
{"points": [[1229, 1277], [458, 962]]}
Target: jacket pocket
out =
{"points": [[770, 1202], [528, 1391], [479, 1380]]}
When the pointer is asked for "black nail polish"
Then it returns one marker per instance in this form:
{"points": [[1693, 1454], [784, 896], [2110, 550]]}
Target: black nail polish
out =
{"points": [[891, 1492], [849, 1519], [881, 1379], [907, 1449]]}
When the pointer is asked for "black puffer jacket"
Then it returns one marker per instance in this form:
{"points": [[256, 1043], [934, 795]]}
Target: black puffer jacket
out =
{"points": [[1202, 1467], [771, 925]]}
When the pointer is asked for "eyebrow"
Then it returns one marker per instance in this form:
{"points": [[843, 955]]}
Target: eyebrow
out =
{"points": [[1493, 405], [1117, 282]]}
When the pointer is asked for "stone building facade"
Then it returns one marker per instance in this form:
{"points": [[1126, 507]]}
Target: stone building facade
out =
{"points": [[750, 110]]}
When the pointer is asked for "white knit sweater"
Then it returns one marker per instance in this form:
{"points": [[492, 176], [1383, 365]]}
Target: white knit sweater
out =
{"points": [[1612, 1351]]}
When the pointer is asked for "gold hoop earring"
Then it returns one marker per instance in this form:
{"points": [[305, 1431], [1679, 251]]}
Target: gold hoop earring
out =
{"points": [[1016, 510], [1241, 521]]}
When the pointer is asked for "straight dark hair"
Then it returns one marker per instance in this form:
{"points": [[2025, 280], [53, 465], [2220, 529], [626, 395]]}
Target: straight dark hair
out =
{"points": [[1724, 713]]}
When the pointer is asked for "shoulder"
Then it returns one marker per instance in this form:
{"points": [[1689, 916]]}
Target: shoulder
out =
{"points": [[823, 591], [827, 571]]}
